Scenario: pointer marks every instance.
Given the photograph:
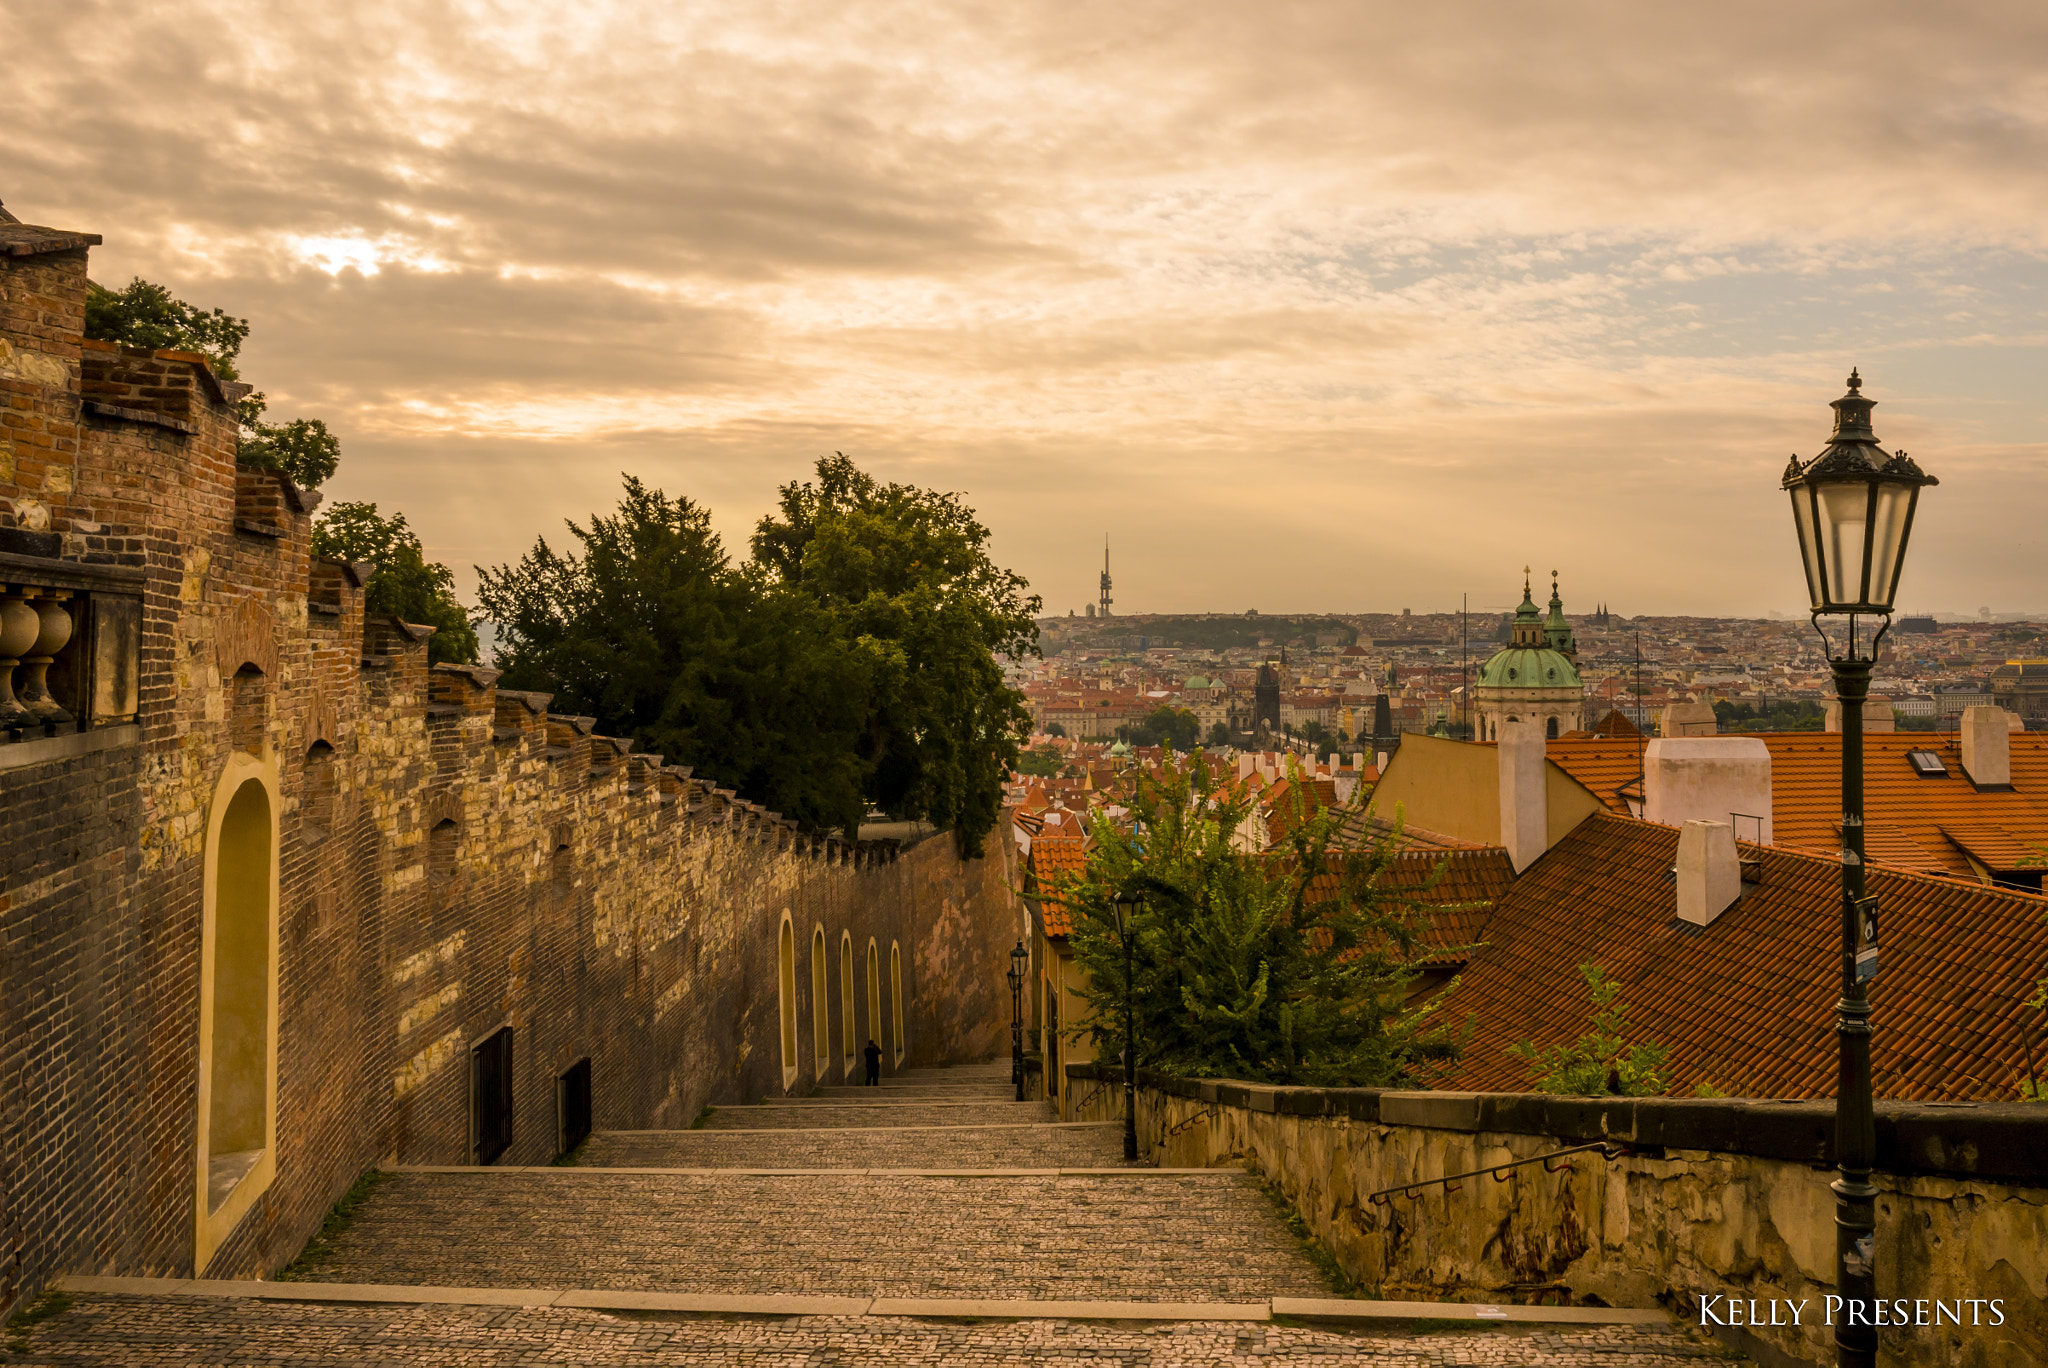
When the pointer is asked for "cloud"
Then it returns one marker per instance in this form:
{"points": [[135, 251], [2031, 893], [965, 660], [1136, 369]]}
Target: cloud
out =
{"points": [[1316, 305]]}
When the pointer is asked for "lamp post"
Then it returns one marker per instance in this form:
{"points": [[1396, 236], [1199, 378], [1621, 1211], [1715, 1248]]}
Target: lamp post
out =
{"points": [[1126, 905], [1018, 957], [1853, 506]]}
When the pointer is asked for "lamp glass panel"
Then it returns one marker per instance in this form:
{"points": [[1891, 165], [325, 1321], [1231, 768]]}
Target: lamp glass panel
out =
{"points": [[1844, 512], [1809, 542], [1894, 514]]}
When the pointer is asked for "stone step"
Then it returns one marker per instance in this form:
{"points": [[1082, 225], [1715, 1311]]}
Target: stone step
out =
{"points": [[792, 1115], [957, 1147], [1194, 1237], [149, 1330]]}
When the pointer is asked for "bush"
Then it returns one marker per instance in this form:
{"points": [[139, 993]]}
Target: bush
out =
{"points": [[1602, 1060]]}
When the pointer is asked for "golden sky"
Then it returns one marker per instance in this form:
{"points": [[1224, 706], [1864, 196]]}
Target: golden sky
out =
{"points": [[1311, 306]]}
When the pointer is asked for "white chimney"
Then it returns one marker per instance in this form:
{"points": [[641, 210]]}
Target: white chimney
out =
{"points": [[1709, 874], [1524, 806], [1246, 761], [1877, 715], [1358, 761], [1687, 719], [1987, 747], [1709, 779]]}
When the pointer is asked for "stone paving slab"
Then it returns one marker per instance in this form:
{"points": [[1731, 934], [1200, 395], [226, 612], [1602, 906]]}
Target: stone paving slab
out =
{"points": [[1211, 1236], [874, 1114], [1012, 1146], [154, 1331]]}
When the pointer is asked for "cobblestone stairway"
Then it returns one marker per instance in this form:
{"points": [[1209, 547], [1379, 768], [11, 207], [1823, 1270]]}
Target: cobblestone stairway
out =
{"points": [[906, 1191]]}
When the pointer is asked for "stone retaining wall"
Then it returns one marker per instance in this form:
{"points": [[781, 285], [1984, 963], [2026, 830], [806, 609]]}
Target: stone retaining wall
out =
{"points": [[1718, 1198]]}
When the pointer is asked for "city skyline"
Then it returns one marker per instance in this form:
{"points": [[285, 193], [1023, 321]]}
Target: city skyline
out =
{"points": [[1313, 306]]}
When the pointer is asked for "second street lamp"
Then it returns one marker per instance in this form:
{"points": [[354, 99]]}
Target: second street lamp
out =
{"points": [[1853, 506], [1018, 958], [1126, 905]]}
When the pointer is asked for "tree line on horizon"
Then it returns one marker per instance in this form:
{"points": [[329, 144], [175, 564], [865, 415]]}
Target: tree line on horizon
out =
{"points": [[850, 665]]}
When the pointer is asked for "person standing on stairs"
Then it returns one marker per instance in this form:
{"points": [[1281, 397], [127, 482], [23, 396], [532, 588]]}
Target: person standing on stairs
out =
{"points": [[874, 1057]]}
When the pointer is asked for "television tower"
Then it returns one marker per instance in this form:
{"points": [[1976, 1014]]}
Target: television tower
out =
{"points": [[1102, 608]]}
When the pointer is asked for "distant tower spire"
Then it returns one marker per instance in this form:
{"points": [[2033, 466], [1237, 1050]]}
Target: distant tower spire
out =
{"points": [[1102, 609]]}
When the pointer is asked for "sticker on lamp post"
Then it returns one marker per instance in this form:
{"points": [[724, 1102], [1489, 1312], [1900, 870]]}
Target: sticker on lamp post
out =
{"points": [[1866, 939]]}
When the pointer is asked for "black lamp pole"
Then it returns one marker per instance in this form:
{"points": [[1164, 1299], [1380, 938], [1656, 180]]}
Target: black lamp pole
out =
{"points": [[1126, 905], [1016, 977], [1853, 506]]}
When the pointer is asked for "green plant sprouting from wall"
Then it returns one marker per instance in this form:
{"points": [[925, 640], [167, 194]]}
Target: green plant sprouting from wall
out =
{"points": [[1602, 1060]]}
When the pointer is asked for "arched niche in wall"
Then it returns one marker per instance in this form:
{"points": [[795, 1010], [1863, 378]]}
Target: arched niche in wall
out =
{"points": [[896, 999], [785, 979], [237, 1086], [821, 1020], [847, 1028], [874, 993]]}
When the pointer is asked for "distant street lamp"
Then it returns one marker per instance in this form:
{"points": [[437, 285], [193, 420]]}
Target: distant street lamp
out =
{"points": [[1126, 905], [1853, 506], [1016, 978]]}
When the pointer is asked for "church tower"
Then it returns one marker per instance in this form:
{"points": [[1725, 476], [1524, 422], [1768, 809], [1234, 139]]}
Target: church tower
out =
{"points": [[1533, 681]]}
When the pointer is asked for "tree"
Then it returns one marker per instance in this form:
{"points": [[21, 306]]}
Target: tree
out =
{"points": [[1248, 965], [1167, 725], [1219, 735], [1055, 729], [1042, 762], [406, 583], [146, 314], [907, 572], [1602, 1060]]}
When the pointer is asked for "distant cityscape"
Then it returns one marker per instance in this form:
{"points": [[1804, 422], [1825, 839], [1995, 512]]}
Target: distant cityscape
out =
{"points": [[1103, 675]]}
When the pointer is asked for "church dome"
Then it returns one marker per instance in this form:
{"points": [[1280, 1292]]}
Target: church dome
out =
{"points": [[1529, 667], [1536, 655]]}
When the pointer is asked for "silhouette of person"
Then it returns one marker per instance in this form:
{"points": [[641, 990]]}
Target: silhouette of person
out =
{"points": [[874, 1057]]}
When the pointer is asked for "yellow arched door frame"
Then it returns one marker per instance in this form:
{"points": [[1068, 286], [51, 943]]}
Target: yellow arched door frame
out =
{"points": [[874, 993], [785, 984], [214, 1223]]}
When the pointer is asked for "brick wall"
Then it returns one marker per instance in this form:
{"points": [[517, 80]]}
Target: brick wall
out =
{"points": [[602, 904]]}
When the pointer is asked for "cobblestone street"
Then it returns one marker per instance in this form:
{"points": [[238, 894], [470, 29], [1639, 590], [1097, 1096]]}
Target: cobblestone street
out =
{"points": [[990, 1229]]}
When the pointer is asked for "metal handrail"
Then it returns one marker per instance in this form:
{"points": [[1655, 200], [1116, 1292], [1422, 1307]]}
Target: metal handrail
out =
{"points": [[1203, 1115], [1451, 1184]]}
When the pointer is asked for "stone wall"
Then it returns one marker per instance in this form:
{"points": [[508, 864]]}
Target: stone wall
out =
{"points": [[446, 859], [1717, 1198]]}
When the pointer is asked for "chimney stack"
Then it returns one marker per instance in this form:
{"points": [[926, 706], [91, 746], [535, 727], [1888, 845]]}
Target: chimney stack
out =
{"points": [[1709, 872], [1987, 747], [1524, 806], [1687, 719], [1877, 715], [1709, 779]]}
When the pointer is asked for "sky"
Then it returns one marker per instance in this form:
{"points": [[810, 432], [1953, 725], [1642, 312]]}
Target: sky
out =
{"points": [[1305, 306]]}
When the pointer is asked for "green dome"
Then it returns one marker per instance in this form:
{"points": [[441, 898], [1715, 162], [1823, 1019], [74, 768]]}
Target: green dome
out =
{"points": [[1119, 749], [1195, 682], [1529, 667]]}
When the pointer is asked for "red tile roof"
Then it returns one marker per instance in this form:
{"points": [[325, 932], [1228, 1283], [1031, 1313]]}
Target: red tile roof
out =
{"points": [[1925, 818], [1054, 859], [1747, 1003]]}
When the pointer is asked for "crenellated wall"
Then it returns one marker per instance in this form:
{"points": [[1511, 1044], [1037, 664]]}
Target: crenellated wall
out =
{"points": [[423, 861]]}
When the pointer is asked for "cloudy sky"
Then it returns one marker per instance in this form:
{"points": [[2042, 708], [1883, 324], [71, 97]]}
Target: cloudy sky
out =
{"points": [[1309, 306]]}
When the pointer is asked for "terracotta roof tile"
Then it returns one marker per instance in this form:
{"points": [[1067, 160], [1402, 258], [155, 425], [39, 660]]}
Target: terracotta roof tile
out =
{"points": [[1054, 859], [1747, 1003], [1806, 786]]}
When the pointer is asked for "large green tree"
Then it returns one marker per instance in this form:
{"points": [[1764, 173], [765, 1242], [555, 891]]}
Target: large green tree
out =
{"points": [[648, 627], [145, 314], [405, 582], [1284, 967], [905, 575], [850, 666]]}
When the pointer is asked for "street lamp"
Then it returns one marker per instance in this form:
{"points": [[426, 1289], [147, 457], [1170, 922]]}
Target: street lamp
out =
{"points": [[1016, 978], [1126, 904], [1853, 506]]}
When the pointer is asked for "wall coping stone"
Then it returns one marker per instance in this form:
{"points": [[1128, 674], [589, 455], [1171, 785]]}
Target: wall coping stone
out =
{"points": [[2007, 1140]]}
